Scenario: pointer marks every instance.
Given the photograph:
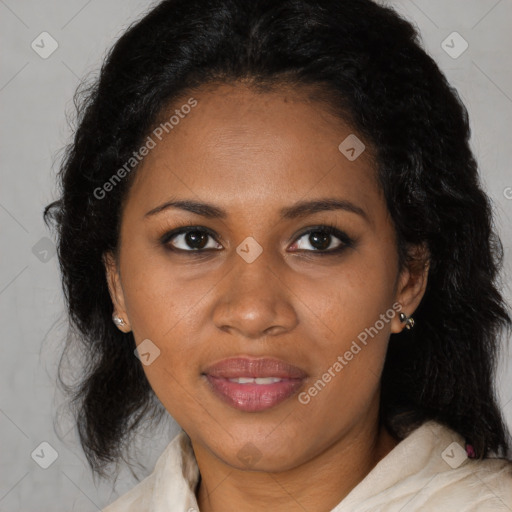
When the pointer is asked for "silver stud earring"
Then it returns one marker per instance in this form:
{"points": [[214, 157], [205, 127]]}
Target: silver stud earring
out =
{"points": [[409, 320], [118, 320]]}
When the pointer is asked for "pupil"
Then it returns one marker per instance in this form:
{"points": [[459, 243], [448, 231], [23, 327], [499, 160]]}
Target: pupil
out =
{"points": [[319, 240], [196, 239]]}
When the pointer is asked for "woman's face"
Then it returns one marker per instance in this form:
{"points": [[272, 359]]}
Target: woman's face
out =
{"points": [[256, 285]]}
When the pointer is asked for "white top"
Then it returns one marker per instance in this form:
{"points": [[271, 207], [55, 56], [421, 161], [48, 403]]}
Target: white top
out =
{"points": [[427, 471]]}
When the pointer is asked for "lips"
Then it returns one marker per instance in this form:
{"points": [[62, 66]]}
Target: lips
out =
{"points": [[253, 385], [254, 368]]}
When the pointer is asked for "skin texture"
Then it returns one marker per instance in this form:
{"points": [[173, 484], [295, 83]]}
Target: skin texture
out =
{"points": [[252, 154]]}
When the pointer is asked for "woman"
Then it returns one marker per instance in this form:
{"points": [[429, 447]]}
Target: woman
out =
{"points": [[277, 206]]}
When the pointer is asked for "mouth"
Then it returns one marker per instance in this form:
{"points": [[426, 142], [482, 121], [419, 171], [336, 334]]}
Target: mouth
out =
{"points": [[251, 385]]}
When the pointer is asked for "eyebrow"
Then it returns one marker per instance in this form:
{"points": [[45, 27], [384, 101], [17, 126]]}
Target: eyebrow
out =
{"points": [[298, 210]]}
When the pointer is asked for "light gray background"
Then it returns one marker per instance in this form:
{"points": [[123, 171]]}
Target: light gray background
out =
{"points": [[35, 93]]}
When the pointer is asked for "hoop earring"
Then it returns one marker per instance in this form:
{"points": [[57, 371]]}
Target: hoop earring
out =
{"points": [[409, 320]]}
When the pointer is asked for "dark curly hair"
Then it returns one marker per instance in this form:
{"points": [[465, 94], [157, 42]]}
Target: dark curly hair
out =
{"points": [[369, 67]]}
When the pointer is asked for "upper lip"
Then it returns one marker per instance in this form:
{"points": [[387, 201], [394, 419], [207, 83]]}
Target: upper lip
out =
{"points": [[235, 367]]}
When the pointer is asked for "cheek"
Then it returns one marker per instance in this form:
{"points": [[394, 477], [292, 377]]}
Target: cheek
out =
{"points": [[352, 323], [349, 359], [164, 309], [351, 298], [159, 302]]}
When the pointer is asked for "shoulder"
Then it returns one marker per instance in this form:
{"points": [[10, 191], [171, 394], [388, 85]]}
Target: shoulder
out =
{"points": [[171, 481], [429, 471], [450, 480], [475, 486], [136, 499]]}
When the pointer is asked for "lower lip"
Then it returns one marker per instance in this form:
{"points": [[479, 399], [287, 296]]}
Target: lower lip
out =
{"points": [[253, 397]]}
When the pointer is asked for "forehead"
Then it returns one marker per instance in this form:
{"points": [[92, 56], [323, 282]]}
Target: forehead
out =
{"points": [[248, 149]]}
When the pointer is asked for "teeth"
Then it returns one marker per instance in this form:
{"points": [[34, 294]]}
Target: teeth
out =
{"points": [[258, 380]]}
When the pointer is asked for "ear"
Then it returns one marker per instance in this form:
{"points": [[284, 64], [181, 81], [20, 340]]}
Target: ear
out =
{"points": [[412, 283], [115, 289]]}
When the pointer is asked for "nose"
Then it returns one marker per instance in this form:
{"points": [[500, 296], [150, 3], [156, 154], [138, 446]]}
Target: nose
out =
{"points": [[254, 301]]}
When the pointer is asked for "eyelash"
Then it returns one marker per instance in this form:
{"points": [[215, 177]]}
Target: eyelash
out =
{"points": [[327, 229]]}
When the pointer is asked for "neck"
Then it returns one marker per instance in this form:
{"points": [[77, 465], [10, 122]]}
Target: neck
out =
{"points": [[318, 484]]}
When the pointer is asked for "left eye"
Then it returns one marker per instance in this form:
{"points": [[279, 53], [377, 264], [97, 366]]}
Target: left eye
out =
{"points": [[322, 239]]}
